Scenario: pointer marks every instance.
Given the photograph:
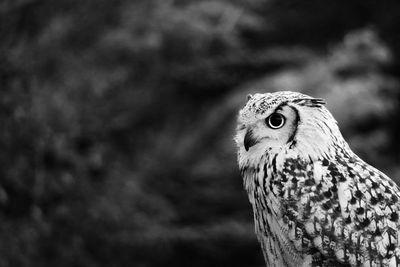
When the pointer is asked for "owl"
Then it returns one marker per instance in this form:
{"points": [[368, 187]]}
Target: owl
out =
{"points": [[315, 202]]}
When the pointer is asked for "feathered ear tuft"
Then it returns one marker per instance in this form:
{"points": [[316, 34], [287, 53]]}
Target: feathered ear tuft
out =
{"points": [[310, 102]]}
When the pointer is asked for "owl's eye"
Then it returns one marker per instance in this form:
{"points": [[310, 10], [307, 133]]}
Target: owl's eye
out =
{"points": [[275, 120]]}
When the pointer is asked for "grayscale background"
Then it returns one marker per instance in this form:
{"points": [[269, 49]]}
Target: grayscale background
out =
{"points": [[117, 119]]}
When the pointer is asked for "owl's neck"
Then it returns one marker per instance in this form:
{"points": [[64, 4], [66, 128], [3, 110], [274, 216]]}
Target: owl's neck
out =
{"points": [[262, 168]]}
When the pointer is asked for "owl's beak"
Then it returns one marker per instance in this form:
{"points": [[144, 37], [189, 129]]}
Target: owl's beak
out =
{"points": [[249, 139]]}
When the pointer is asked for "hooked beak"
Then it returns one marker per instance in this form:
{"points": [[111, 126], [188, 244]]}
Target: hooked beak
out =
{"points": [[249, 139]]}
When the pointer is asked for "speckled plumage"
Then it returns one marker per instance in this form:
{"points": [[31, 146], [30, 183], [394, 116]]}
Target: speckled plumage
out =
{"points": [[315, 202]]}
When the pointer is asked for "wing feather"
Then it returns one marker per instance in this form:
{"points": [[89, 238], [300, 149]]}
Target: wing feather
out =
{"points": [[343, 211]]}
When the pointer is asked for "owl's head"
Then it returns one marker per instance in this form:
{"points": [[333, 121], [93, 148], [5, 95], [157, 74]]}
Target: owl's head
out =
{"points": [[287, 122]]}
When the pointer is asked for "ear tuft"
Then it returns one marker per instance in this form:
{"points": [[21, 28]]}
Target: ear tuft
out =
{"points": [[249, 96], [310, 102]]}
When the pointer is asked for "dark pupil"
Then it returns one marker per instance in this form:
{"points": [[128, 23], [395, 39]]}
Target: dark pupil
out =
{"points": [[276, 120]]}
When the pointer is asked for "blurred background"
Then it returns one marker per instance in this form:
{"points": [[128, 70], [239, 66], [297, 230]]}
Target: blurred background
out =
{"points": [[117, 118]]}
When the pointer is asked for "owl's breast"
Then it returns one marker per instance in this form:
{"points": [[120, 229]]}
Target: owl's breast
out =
{"points": [[276, 205]]}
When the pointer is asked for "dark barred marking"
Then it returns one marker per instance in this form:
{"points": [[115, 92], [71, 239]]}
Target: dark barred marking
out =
{"points": [[291, 139]]}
